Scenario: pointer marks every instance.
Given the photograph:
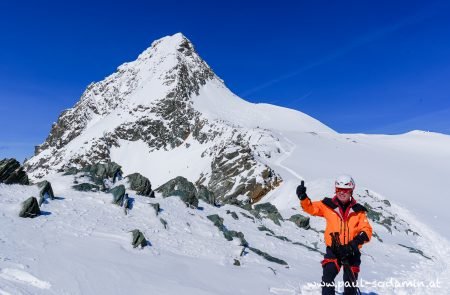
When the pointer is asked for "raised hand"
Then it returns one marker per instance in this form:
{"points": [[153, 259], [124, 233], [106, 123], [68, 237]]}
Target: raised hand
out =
{"points": [[301, 191]]}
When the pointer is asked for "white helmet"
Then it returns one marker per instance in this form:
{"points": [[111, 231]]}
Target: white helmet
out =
{"points": [[345, 181]]}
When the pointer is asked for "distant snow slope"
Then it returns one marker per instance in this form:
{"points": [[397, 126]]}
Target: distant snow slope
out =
{"points": [[411, 169], [216, 102]]}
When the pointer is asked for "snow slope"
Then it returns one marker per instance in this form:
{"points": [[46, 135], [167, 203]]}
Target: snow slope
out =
{"points": [[410, 169], [216, 102], [81, 245]]}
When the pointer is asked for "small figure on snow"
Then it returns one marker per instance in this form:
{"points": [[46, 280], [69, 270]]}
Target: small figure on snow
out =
{"points": [[346, 231]]}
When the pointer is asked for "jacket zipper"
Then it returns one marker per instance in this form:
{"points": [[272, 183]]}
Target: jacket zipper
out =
{"points": [[344, 233]]}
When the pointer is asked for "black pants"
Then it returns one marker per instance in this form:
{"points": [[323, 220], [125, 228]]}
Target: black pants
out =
{"points": [[330, 271]]}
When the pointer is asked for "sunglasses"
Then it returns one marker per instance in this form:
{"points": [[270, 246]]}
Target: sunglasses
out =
{"points": [[343, 190]]}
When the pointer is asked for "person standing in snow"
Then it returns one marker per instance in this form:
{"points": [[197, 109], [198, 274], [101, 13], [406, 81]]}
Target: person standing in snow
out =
{"points": [[348, 219]]}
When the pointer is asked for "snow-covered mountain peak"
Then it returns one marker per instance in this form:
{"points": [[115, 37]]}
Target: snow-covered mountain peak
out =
{"points": [[166, 99], [169, 45]]}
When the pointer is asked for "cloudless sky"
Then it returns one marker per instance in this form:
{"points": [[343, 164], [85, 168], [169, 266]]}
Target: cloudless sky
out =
{"points": [[357, 66]]}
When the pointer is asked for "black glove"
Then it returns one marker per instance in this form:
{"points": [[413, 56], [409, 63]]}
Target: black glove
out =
{"points": [[360, 238], [352, 248], [347, 251], [301, 191]]}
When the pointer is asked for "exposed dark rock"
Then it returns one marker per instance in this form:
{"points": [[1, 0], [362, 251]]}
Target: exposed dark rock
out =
{"points": [[127, 201], [217, 220], [375, 235], [416, 251], [86, 187], [140, 184], [248, 216], [247, 207], [267, 256], [118, 193], [228, 234], [45, 191], [263, 228], [157, 208], [71, 171], [206, 195], [267, 210], [30, 208], [233, 214], [182, 188], [237, 263], [164, 223], [101, 171], [300, 220], [12, 173], [380, 211], [138, 239], [226, 169], [372, 214], [283, 238], [273, 270]]}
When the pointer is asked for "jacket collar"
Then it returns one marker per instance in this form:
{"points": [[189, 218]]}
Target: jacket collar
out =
{"points": [[336, 201], [333, 204]]}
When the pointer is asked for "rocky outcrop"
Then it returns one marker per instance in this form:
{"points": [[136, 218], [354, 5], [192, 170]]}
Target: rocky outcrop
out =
{"points": [[267, 210], [86, 187], [230, 234], [236, 177], [30, 208], [11, 172], [138, 239], [300, 220], [206, 195], [380, 212], [181, 188], [100, 171], [267, 256], [140, 184], [118, 193], [45, 191]]}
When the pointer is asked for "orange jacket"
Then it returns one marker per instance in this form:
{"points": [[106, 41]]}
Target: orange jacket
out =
{"points": [[348, 224]]}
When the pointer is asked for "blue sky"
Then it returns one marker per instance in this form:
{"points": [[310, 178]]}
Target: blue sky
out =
{"points": [[357, 66]]}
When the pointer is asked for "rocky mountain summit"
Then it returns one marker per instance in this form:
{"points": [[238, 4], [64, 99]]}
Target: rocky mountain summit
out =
{"points": [[166, 100]]}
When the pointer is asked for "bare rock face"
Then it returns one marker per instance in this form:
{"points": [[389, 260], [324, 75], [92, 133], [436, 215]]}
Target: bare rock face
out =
{"points": [[238, 178], [11, 172]]}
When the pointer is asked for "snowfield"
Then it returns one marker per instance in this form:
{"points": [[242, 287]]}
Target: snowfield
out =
{"points": [[82, 245], [82, 242]]}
